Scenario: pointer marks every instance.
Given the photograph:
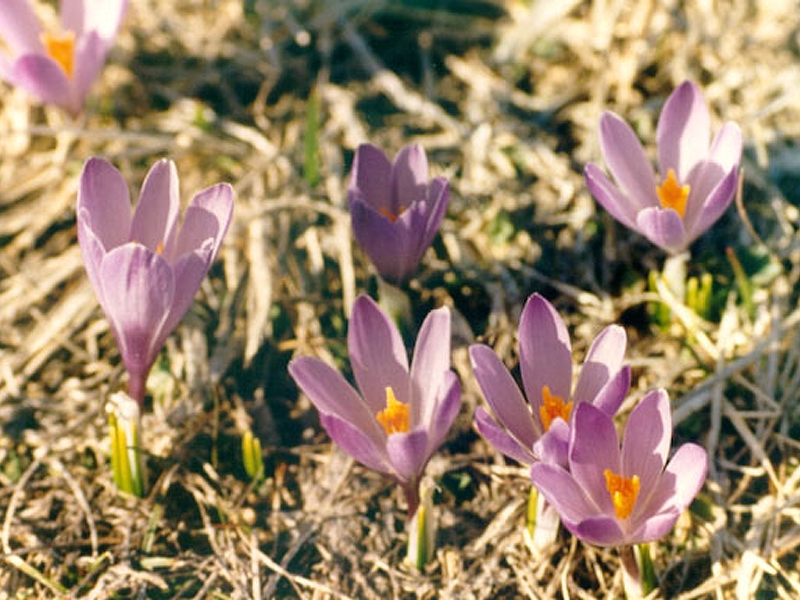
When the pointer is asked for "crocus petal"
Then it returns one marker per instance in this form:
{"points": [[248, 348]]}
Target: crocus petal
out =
{"points": [[619, 205], [102, 16], [545, 352], [626, 161], [207, 217], [42, 77], [371, 177], [683, 130], [430, 364], [594, 447], [438, 198], [647, 439], [377, 355], [602, 362], [156, 214], [663, 227], [600, 531], [90, 55], [553, 446], [189, 272], [138, 289], [104, 204], [387, 244], [92, 252], [332, 395], [447, 406], [653, 528], [408, 453], [562, 491], [409, 177], [356, 443], [715, 204], [612, 394], [19, 28], [681, 480], [498, 437], [504, 396]]}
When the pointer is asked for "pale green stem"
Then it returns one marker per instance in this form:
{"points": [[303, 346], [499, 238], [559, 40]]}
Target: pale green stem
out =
{"points": [[541, 520], [251, 456], [394, 300], [124, 420], [638, 574], [422, 531]]}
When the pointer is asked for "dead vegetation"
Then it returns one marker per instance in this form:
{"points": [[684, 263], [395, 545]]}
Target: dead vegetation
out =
{"points": [[505, 96]]}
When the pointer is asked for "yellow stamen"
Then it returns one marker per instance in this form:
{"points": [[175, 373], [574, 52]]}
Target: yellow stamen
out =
{"points": [[61, 49], [553, 407], [395, 417], [390, 215], [160, 248], [623, 491], [672, 194]]}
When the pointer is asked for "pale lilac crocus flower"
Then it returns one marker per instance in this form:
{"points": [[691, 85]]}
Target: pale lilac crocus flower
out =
{"points": [[401, 415], [612, 496], [146, 266], [395, 210], [58, 66], [537, 428], [695, 184]]}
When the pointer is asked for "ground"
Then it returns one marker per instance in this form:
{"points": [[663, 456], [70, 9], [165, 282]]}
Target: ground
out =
{"points": [[505, 96]]}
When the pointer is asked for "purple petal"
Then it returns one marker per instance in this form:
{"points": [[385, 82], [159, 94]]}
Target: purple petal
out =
{"points": [[620, 206], [553, 446], [438, 198], [502, 441], [392, 247], [627, 162], [138, 289], [371, 177], [683, 130], [90, 55], [602, 362], [103, 203], [446, 409], [42, 77], [101, 16], [562, 491], [408, 454], [654, 528], [715, 205], [646, 441], [600, 531], [611, 395], [156, 215], [189, 273], [664, 228], [545, 352], [207, 218], [680, 482], [93, 252], [594, 447], [409, 177], [429, 366], [356, 443], [332, 395], [20, 30], [377, 355], [504, 397]]}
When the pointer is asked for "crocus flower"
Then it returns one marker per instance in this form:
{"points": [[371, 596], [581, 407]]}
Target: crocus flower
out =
{"points": [[396, 211], [538, 428], [695, 183], [618, 497], [144, 265], [401, 415], [58, 66]]}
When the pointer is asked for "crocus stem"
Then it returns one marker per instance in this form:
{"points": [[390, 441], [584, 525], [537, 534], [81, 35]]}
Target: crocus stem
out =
{"points": [[137, 384], [421, 532], [395, 302], [638, 574], [542, 520], [124, 419], [674, 274]]}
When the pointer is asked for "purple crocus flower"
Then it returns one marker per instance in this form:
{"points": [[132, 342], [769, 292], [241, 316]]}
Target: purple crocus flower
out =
{"points": [[695, 183], [617, 497], [145, 266], [538, 428], [401, 416], [58, 67], [396, 212]]}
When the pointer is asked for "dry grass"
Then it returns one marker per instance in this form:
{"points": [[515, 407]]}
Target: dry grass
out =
{"points": [[506, 98]]}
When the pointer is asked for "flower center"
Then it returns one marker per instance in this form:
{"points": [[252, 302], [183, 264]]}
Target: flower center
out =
{"points": [[672, 194], [391, 215], [395, 417], [553, 407], [61, 48], [623, 492]]}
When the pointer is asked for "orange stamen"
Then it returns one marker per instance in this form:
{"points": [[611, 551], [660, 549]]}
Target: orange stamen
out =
{"points": [[553, 407], [623, 491], [61, 49], [395, 417], [672, 194], [390, 215]]}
